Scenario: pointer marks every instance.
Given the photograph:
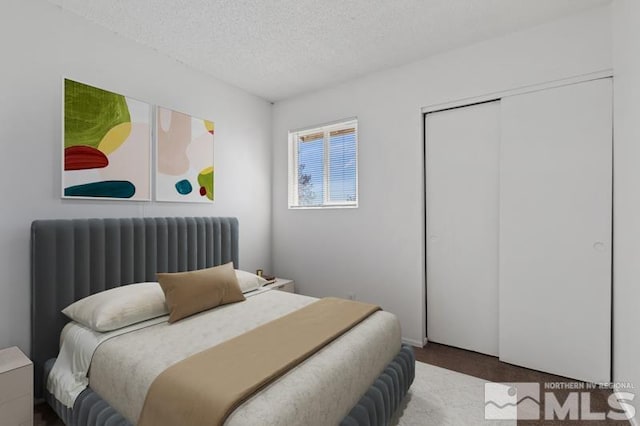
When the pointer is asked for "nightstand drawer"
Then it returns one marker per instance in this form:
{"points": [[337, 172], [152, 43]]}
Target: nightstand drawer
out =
{"points": [[18, 412], [16, 388], [15, 383], [283, 284], [288, 287]]}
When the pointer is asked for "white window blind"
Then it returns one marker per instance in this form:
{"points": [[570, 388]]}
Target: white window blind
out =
{"points": [[323, 167]]}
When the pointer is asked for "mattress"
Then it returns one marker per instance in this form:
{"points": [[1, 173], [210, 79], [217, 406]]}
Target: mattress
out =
{"points": [[320, 391]]}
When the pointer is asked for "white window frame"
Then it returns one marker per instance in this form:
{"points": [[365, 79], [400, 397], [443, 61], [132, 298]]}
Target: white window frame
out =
{"points": [[326, 129]]}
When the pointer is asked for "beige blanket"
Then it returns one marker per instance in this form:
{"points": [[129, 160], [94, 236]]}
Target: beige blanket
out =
{"points": [[205, 388], [318, 392]]}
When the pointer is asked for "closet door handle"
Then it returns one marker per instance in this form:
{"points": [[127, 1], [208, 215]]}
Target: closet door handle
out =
{"points": [[599, 246]]}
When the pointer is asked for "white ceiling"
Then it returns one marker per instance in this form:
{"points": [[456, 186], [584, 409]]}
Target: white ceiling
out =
{"points": [[280, 48]]}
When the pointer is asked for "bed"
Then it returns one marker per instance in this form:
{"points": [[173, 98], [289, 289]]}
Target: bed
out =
{"points": [[358, 379]]}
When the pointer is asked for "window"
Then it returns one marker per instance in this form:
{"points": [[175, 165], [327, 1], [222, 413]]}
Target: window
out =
{"points": [[323, 166]]}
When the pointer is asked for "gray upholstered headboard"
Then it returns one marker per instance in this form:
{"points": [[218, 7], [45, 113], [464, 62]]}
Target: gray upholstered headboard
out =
{"points": [[71, 259]]}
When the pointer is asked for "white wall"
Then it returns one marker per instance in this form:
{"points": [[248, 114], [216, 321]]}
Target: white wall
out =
{"points": [[377, 251], [626, 249], [40, 45]]}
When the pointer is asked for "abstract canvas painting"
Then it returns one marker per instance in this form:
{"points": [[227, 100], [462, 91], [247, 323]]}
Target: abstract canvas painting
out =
{"points": [[107, 144], [184, 154]]}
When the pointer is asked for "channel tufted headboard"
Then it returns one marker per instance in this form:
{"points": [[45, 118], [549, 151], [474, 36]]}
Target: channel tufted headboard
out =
{"points": [[71, 259]]}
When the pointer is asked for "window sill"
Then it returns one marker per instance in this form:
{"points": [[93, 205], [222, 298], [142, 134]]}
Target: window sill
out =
{"points": [[329, 206]]}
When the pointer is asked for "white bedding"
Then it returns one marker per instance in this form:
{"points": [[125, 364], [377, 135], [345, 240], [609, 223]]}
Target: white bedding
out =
{"points": [[69, 374], [318, 392]]}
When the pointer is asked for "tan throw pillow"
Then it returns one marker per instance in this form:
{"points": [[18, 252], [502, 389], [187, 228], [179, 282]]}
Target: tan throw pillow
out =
{"points": [[188, 293]]}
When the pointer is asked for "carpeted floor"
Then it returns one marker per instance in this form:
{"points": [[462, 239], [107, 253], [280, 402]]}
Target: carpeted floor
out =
{"points": [[441, 397]]}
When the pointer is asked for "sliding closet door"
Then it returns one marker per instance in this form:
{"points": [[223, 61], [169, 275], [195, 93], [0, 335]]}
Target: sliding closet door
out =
{"points": [[461, 160], [555, 230]]}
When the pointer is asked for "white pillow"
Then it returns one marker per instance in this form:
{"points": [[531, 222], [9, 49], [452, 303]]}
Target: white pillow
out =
{"points": [[119, 307], [248, 281]]}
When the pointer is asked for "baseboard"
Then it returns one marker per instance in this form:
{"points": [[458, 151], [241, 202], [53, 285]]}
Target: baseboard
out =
{"points": [[412, 342], [633, 420]]}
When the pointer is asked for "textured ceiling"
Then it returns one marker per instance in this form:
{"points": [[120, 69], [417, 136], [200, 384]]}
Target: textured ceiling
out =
{"points": [[280, 48]]}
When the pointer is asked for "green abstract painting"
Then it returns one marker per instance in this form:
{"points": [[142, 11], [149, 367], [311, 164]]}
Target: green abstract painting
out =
{"points": [[107, 144]]}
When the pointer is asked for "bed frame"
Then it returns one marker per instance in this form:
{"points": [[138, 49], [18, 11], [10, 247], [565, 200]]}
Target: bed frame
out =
{"points": [[72, 259]]}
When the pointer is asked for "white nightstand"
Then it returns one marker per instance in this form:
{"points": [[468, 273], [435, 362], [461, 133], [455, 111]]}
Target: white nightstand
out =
{"points": [[16, 388], [282, 284]]}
